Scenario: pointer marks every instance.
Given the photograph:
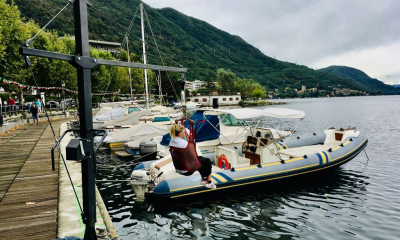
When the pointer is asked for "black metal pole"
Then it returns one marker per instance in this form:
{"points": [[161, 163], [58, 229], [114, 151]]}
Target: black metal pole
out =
{"points": [[85, 117]]}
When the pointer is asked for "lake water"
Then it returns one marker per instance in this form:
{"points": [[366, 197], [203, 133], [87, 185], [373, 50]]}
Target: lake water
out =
{"points": [[358, 200]]}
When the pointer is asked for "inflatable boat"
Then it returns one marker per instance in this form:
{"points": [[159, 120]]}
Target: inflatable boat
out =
{"points": [[261, 159]]}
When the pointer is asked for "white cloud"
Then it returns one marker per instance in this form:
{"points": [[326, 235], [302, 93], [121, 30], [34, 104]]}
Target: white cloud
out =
{"points": [[379, 62], [357, 33]]}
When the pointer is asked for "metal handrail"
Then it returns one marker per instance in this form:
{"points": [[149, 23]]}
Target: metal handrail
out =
{"points": [[56, 145]]}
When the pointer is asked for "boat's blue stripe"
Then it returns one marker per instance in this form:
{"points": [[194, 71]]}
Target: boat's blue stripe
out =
{"points": [[320, 158], [339, 161], [326, 155], [283, 146], [225, 176], [215, 179]]}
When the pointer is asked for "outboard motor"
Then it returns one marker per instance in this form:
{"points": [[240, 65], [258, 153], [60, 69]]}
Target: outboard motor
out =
{"points": [[148, 150]]}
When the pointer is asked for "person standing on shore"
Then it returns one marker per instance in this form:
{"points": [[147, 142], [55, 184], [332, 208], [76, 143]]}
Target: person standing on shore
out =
{"points": [[34, 111], [11, 103], [38, 105]]}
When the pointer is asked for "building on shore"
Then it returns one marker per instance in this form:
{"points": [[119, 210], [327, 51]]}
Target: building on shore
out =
{"points": [[195, 85], [112, 47], [221, 99]]}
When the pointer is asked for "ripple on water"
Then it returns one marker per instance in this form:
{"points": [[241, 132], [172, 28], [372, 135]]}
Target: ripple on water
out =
{"points": [[359, 200]]}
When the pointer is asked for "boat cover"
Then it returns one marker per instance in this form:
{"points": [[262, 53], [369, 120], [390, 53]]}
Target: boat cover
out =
{"points": [[130, 119], [208, 130], [283, 113], [246, 113], [140, 132], [162, 109], [116, 104], [104, 110], [113, 114]]}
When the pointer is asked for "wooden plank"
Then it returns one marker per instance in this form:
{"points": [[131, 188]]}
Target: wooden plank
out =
{"points": [[28, 186]]}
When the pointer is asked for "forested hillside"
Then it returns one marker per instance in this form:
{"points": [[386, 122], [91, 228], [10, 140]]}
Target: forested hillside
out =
{"points": [[361, 77], [185, 41]]}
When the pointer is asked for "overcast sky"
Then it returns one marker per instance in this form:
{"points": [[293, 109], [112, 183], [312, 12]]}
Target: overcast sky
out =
{"points": [[364, 34]]}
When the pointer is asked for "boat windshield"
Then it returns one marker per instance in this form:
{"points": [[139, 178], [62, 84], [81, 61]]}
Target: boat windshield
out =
{"points": [[133, 109], [161, 119], [230, 120]]}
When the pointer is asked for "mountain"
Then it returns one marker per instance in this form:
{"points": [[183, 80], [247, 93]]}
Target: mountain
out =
{"points": [[361, 77], [184, 40]]}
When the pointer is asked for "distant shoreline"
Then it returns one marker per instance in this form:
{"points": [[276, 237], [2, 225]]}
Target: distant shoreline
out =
{"points": [[261, 103]]}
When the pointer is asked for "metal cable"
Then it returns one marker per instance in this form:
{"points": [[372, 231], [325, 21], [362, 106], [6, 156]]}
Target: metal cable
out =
{"points": [[122, 46], [55, 138], [45, 2], [69, 176], [37, 87], [30, 40], [159, 52], [119, 25]]}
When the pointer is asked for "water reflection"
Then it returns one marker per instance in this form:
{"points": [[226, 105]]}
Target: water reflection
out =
{"points": [[355, 201]]}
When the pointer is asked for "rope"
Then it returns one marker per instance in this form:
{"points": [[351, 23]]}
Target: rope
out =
{"points": [[122, 46], [366, 164], [159, 52], [128, 30], [122, 27], [30, 40]]}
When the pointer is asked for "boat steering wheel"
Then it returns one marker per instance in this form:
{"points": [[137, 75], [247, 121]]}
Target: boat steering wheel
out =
{"points": [[245, 146]]}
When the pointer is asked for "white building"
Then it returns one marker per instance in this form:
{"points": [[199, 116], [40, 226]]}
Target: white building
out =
{"points": [[195, 85], [104, 46], [189, 85], [222, 100]]}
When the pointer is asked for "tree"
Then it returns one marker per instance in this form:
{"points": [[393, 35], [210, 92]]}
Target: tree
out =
{"points": [[170, 86], [226, 79], [244, 86], [137, 76], [101, 74], [12, 33], [258, 93]]}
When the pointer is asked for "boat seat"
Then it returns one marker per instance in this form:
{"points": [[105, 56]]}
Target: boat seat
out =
{"points": [[265, 141], [251, 140], [167, 167], [253, 157], [163, 163], [232, 156]]}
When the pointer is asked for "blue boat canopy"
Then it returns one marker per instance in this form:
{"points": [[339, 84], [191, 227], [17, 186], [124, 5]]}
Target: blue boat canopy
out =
{"points": [[208, 130]]}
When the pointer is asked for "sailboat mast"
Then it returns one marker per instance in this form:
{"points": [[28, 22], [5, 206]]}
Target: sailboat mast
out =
{"points": [[144, 56], [129, 69]]}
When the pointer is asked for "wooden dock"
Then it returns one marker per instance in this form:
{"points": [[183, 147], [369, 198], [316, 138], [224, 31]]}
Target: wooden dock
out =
{"points": [[28, 186]]}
